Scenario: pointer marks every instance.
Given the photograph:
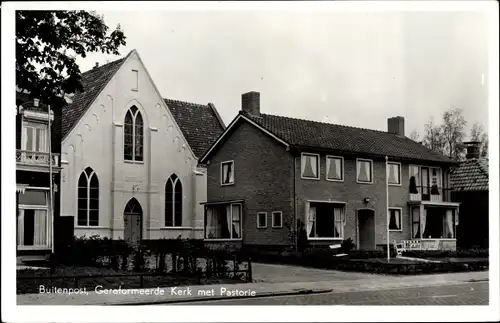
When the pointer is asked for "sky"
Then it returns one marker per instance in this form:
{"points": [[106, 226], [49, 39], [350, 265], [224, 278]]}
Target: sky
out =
{"points": [[354, 68]]}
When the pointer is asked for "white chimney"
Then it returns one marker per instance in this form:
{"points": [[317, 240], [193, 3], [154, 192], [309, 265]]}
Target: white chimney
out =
{"points": [[35, 102]]}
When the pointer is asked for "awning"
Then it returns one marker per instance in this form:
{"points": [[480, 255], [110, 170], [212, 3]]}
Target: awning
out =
{"points": [[222, 202]]}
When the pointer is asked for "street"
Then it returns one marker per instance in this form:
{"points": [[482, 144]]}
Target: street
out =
{"points": [[460, 294]]}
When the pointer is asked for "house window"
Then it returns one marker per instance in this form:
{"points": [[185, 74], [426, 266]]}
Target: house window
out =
{"points": [[427, 181], [310, 166], [277, 219], [262, 220], [173, 202], [135, 80], [227, 173], [35, 137], [395, 219], [434, 223], [133, 135], [364, 170], [394, 170], [325, 220], [32, 220], [223, 221], [88, 198], [334, 168], [414, 179]]}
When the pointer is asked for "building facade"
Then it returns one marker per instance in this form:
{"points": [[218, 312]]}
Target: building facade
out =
{"points": [[268, 175]]}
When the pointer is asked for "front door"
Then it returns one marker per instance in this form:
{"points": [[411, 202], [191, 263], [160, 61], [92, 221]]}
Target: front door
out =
{"points": [[366, 229], [132, 222]]}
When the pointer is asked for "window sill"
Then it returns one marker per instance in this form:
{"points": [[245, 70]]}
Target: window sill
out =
{"points": [[277, 227], [134, 90], [176, 228], [228, 184], [311, 178], [33, 248], [134, 162], [390, 230], [262, 227], [221, 240], [392, 184], [324, 239], [90, 227], [440, 239], [334, 180], [364, 182]]}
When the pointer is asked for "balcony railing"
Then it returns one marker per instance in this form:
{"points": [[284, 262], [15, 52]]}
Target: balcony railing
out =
{"points": [[430, 193], [35, 158]]}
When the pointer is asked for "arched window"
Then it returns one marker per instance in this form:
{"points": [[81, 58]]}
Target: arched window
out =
{"points": [[173, 202], [133, 136], [88, 198]]}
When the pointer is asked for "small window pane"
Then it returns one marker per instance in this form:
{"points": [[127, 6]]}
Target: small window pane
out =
{"points": [[364, 171], [395, 219], [394, 173], [262, 220], [93, 217], [334, 168], [236, 212], [227, 173], [33, 197], [309, 166], [82, 217], [277, 219]]}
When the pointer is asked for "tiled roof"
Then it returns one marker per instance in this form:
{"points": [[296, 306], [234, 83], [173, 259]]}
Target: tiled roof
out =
{"points": [[320, 135], [93, 82], [471, 175], [200, 124]]}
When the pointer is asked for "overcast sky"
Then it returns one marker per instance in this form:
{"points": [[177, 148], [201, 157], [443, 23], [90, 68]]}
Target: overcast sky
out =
{"points": [[354, 68]]}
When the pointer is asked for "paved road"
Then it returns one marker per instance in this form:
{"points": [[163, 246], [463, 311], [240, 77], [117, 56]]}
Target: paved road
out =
{"points": [[461, 294]]}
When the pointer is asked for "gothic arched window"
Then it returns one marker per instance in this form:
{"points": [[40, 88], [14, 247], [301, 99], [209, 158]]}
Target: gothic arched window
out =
{"points": [[173, 202], [88, 198], [133, 148]]}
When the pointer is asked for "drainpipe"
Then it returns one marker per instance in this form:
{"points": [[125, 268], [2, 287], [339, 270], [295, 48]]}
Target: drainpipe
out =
{"points": [[387, 207], [51, 186], [295, 207]]}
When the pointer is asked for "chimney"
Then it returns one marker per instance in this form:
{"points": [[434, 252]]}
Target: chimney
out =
{"points": [[473, 149], [396, 125], [35, 102], [96, 65], [250, 103]]}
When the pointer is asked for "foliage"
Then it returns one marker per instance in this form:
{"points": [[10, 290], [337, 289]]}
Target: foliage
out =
{"points": [[454, 133], [460, 253], [47, 44], [347, 245], [477, 134], [414, 135], [433, 137]]}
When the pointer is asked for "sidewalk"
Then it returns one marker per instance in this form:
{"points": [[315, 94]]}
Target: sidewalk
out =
{"points": [[215, 292]]}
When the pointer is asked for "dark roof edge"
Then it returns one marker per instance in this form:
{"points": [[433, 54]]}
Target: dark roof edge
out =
{"points": [[217, 115], [95, 98], [374, 156]]}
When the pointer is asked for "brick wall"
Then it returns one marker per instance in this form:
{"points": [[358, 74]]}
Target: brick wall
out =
{"points": [[263, 178]]}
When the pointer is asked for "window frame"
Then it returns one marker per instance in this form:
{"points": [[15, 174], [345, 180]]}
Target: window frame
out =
{"points": [[318, 163], [87, 198], [136, 80], [231, 218], [342, 220], [134, 136], [341, 166], [400, 209], [173, 202], [400, 174], [281, 219], [222, 173], [357, 171], [258, 220], [35, 126]]}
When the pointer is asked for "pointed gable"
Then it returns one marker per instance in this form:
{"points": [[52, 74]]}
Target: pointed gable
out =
{"points": [[93, 82]]}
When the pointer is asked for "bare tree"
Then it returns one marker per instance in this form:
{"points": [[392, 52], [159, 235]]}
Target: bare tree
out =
{"points": [[414, 135], [477, 134], [434, 137], [453, 131]]}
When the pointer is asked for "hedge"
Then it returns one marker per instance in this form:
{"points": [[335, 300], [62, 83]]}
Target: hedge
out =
{"points": [[463, 253]]}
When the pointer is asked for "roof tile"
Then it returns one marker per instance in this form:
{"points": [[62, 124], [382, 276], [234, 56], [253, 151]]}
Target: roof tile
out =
{"points": [[471, 175]]}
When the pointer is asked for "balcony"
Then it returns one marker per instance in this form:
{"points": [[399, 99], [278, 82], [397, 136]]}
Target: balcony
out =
{"points": [[36, 158], [430, 194]]}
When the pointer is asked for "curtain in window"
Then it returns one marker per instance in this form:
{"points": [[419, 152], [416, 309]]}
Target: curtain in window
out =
{"points": [[364, 171], [449, 225], [310, 167], [29, 138], [414, 179], [228, 219], [20, 228], [209, 225], [311, 221], [40, 232], [392, 176], [416, 222], [236, 220], [334, 168], [337, 214], [229, 173], [423, 218], [397, 216]]}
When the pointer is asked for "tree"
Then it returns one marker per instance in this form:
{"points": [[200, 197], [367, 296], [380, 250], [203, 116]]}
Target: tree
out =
{"points": [[454, 133], [47, 43], [477, 134], [414, 135], [434, 137]]}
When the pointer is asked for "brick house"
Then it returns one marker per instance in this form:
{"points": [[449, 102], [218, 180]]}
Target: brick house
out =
{"points": [[470, 185], [268, 173], [37, 164]]}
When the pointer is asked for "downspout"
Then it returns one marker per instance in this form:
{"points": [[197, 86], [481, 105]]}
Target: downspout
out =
{"points": [[296, 235], [51, 186]]}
